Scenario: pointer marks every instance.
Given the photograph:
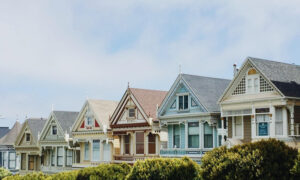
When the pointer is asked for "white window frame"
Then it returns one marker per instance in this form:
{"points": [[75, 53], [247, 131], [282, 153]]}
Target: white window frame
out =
{"points": [[9, 160], [129, 113], [52, 129], [189, 101], [143, 143], [275, 121], [252, 77], [60, 156], [93, 159], [86, 155], [87, 120], [256, 125], [233, 128]]}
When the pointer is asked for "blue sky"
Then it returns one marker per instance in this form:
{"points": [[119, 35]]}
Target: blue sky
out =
{"points": [[61, 52]]}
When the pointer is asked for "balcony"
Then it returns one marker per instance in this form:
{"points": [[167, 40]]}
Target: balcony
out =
{"points": [[182, 152]]}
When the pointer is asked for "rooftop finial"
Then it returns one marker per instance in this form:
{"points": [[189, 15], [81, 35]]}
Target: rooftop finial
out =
{"points": [[52, 107], [180, 69], [128, 85]]}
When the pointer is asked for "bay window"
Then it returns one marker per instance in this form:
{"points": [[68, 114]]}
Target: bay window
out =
{"points": [[193, 135], [12, 160], [208, 136], [96, 150], [176, 136], [139, 142]]}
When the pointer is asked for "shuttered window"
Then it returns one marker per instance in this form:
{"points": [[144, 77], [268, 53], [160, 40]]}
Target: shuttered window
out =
{"points": [[139, 142], [151, 143]]}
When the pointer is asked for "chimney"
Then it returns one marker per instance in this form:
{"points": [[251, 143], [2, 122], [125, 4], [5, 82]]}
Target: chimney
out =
{"points": [[235, 70]]}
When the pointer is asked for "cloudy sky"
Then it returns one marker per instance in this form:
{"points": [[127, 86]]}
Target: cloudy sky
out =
{"points": [[61, 52]]}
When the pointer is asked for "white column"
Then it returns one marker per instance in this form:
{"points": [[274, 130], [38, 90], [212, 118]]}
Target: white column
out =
{"points": [[223, 130], [285, 121], [291, 108], [272, 121], [186, 133], [214, 138]]}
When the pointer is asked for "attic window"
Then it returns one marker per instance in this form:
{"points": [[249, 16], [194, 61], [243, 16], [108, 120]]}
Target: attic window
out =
{"points": [[27, 137], [54, 130], [89, 121], [131, 112], [183, 102], [173, 106], [241, 88]]}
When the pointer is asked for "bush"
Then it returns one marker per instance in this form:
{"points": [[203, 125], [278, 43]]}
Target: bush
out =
{"points": [[296, 169], [151, 169], [4, 172], [30, 176], [266, 159], [67, 175], [105, 171]]}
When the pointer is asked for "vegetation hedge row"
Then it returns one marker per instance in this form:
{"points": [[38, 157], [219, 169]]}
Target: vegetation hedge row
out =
{"points": [[266, 159]]}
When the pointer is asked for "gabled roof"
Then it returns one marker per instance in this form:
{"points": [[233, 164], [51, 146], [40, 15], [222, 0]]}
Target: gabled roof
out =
{"points": [[3, 131], [207, 89], [36, 125], [149, 100], [11, 136], [66, 119], [286, 77]]}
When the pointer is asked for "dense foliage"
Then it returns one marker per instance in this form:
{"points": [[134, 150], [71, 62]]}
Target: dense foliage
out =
{"points": [[266, 159], [4, 172], [152, 169]]}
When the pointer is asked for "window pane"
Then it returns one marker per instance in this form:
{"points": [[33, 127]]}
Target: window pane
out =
{"points": [[151, 143], [140, 142], [220, 140], [279, 122], [263, 129], [69, 157], [180, 102], [176, 136], [96, 150], [12, 160], [193, 132], [127, 144], [238, 126], [193, 141], [60, 153], [208, 136], [186, 102], [131, 112], [86, 151]]}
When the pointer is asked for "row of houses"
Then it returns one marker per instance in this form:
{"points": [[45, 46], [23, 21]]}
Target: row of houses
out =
{"points": [[196, 115]]}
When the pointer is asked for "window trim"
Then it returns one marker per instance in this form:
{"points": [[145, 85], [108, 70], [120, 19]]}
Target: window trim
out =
{"points": [[134, 110], [183, 94], [53, 129], [86, 155], [233, 128], [14, 167], [94, 159], [139, 142], [27, 134]]}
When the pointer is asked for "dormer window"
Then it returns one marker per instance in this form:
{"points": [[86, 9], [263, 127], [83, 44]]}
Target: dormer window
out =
{"points": [[89, 121], [131, 112], [27, 137], [183, 102], [54, 130]]}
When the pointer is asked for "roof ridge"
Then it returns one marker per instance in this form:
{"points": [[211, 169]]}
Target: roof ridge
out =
{"points": [[149, 89], [275, 61], [206, 77], [64, 111]]}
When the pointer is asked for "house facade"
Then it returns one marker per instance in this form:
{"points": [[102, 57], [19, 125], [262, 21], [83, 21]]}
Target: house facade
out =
{"points": [[57, 155], [263, 101], [27, 145], [92, 140], [8, 157], [191, 116], [135, 125]]}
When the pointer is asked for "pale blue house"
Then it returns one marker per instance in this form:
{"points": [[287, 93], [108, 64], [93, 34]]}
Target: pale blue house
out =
{"points": [[190, 115]]}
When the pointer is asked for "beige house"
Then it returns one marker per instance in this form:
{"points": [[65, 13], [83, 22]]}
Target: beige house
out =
{"points": [[91, 133], [27, 145], [57, 155], [262, 101], [135, 125]]}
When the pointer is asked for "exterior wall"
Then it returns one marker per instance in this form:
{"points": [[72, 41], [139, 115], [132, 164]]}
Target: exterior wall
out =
{"points": [[247, 129]]}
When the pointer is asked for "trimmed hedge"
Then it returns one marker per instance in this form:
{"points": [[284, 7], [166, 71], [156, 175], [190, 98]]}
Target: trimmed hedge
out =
{"points": [[265, 159], [296, 169], [152, 169], [4, 172]]}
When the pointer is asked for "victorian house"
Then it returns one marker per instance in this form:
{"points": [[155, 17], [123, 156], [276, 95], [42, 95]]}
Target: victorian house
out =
{"points": [[27, 145], [57, 155], [263, 101], [91, 134], [8, 157], [135, 125], [191, 116]]}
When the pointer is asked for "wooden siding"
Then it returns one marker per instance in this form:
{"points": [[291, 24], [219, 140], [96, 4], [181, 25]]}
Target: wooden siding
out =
{"points": [[229, 127], [247, 129]]}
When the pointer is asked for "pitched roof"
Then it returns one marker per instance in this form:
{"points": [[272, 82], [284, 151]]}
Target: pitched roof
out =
{"points": [[36, 125], [286, 77], [208, 90], [10, 137], [103, 109], [149, 99], [66, 119], [3, 131]]}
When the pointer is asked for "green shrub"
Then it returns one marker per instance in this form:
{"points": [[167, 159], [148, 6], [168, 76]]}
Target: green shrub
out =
{"points": [[67, 175], [151, 169], [104, 171], [4, 172], [29, 176], [266, 159], [295, 171]]}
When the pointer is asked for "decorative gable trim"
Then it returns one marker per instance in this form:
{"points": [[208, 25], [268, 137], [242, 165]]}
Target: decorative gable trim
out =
{"points": [[25, 129], [52, 119], [96, 123]]}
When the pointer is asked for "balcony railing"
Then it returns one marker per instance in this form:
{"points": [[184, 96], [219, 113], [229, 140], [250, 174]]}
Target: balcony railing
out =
{"points": [[132, 158], [182, 152]]}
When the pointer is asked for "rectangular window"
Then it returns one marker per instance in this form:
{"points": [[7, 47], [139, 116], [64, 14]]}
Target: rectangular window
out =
{"points": [[256, 85], [31, 163], [220, 140], [151, 144], [249, 86], [52, 157], [139, 142], [127, 144], [278, 122], [208, 136], [54, 130], [23, 161], [176, 136], [1, 160], [69, 157], [60, 156], [12, 160], [238, 126], [193, 134], [96, 150], [86, 151], [89, 121], [27, 137], [262, 124], [225, 123], [131, 112], [183, 102], [219, 123], [5, 159]]}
